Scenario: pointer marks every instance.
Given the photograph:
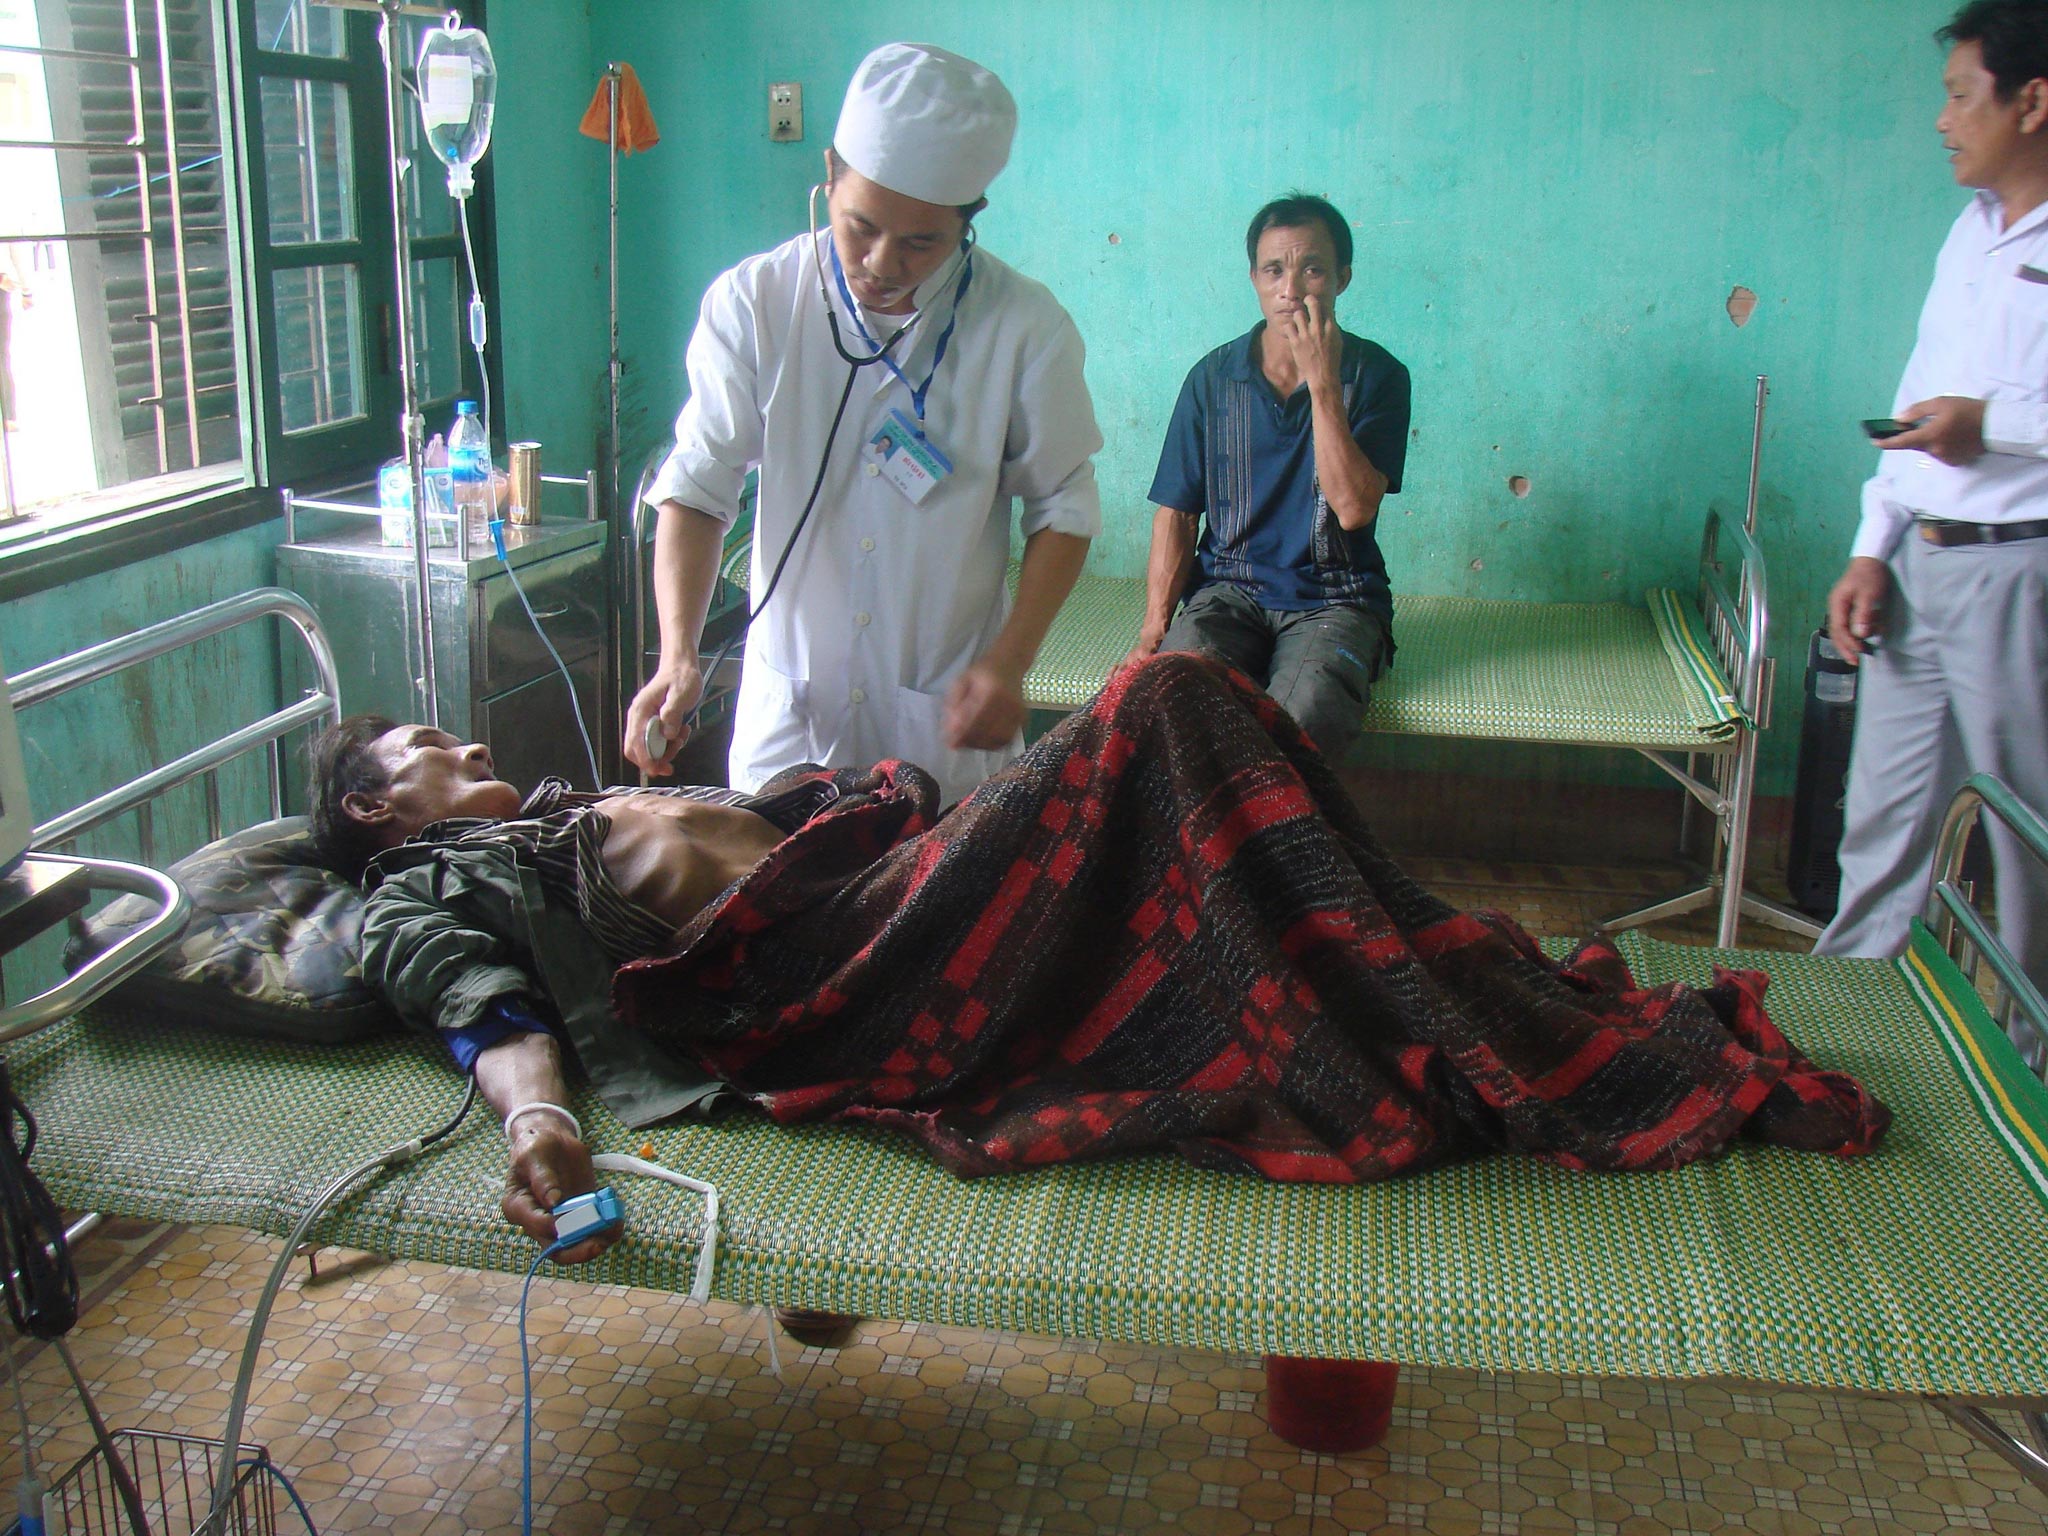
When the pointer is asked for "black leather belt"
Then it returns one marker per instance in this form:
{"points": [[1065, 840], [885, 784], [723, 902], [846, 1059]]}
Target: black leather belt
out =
{"points": [[1939, 530]]}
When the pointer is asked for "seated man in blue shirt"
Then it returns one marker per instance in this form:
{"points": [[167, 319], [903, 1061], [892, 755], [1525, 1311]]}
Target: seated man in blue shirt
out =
{"points": [[1281, 447]]}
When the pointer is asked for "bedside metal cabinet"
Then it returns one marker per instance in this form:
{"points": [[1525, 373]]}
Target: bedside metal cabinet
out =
{"points": [[497, 682]]}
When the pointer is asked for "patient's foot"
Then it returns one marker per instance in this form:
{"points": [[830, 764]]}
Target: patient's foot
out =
{"points": [[820, 1330]]}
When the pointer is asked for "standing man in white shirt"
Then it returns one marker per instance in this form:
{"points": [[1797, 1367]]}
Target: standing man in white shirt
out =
{"points": [[898, 389], [1945, 600]]}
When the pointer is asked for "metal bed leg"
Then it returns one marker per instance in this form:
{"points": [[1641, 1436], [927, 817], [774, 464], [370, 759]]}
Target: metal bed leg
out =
{"points": [[1778, 915], [1716, 799], [2032, 1465], [1730, 798]]}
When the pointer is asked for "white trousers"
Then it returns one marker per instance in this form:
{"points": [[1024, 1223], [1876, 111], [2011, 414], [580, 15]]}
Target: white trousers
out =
{"points": [[1960, 686]]}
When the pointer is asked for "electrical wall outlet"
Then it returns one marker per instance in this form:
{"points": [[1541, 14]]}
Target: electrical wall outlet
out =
{"points": [[785, 112]]}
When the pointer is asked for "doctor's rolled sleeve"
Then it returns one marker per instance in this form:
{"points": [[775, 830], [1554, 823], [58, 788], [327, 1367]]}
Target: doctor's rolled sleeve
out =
{"points": [[719, 429], [1049, 452]]}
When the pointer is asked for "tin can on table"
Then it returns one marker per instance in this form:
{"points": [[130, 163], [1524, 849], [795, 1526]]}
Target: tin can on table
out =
{"points": [[525, 468]]}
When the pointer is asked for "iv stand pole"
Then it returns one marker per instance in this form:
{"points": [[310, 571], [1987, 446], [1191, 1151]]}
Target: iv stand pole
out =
{"points": [[615, 368], [411, 424], [625, 553]]}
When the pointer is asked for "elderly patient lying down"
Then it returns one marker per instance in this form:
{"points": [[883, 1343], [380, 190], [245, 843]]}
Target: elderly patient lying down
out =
{"points": [[1164, 928]]}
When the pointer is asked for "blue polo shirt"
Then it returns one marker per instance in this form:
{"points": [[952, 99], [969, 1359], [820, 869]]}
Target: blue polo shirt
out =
{"points": [[1243, 460]]}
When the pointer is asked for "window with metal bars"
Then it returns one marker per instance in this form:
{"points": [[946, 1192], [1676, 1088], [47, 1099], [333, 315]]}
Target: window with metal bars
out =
{"points": [[120, 333], [200, 264]]}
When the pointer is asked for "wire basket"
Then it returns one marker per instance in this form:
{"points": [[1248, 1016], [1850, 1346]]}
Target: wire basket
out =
{"points": [[174, 1478]]}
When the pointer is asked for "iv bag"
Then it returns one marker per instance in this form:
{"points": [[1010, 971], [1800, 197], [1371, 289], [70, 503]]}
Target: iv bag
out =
{"points": [[458, 85]]}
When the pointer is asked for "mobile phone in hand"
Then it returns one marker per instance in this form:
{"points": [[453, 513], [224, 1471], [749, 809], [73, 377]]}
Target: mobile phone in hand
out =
{"points": [[1878, 428]]}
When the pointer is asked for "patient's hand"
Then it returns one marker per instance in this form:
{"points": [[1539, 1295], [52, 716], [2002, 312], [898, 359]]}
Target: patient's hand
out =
{"points": [[549, 1165]]}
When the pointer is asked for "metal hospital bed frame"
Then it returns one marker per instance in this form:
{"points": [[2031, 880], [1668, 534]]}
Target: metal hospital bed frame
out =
{"points": [[1913, 1271]]}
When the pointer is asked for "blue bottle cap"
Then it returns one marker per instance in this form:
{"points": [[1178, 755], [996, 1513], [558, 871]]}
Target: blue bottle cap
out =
{"points": [[465, 407]]}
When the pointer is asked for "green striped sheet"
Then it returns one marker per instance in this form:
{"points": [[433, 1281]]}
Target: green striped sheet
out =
{"points": [[1915, 1269], [2009, 1097], [1685, 642], [1096, 628]]}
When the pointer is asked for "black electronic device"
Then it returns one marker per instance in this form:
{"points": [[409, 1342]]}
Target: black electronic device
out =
{"points": [[1878, 428], [1826, 730]]}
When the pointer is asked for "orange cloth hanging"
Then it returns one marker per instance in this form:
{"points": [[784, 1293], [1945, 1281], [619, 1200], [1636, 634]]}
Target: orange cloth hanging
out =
{"points": [[636, 118]]}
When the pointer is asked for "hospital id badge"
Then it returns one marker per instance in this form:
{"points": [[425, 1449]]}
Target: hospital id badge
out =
{"points": [[906, 458]]}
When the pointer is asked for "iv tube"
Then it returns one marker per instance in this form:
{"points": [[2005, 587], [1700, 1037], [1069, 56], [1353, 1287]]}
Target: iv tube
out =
{"points": [[458, 88]]}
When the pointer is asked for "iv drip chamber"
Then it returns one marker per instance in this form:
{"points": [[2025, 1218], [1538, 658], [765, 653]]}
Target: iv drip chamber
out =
{"points": [[458, 87]]}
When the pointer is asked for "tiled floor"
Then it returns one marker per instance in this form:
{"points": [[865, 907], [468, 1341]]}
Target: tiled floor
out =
{"points": [[390, 1394]]}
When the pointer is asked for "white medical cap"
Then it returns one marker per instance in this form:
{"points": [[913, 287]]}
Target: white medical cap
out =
{"points": [[926, 123]]}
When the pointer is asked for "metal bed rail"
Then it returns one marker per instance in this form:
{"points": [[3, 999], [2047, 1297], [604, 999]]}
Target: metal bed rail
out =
{"points": [[1734, 600], [1962, 931], [54, 678], [119, 961], [2018, 1006]]}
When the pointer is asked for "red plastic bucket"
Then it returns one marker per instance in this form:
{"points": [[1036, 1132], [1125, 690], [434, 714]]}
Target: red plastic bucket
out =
{"points": [[1332, 1406]]}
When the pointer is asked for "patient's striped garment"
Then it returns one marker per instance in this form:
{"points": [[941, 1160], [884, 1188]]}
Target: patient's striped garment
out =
{"points": [[560, 832]]}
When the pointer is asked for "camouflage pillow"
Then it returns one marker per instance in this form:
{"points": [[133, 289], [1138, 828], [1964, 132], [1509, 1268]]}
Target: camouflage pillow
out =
{"points": [[273, 947]]}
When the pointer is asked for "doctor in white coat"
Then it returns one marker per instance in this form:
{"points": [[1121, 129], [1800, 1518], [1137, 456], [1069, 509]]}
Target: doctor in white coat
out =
{"points": [[900, 390]]}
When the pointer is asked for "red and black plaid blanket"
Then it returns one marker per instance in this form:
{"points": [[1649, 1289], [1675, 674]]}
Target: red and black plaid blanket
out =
{"points": [[1167, 927]]}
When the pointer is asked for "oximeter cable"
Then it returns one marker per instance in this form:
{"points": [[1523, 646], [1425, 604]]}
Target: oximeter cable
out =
{"points": [[569, 682], [259, 1321], [526, 1375], [700, 1284]]}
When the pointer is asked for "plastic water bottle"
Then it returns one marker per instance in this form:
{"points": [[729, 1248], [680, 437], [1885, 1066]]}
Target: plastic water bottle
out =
{"points": [[469, 468]]}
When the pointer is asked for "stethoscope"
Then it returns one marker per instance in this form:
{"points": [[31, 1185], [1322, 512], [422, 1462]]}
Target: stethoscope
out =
{"points": [[879, 352]]}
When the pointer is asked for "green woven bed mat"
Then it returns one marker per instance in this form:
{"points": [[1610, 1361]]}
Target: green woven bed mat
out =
{"points": [[1597, 674], [1594, 674], [1916, 1269], [1095, 629]]}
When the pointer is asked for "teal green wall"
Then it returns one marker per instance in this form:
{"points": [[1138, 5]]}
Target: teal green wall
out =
{"points": [[549, 183], [1552, 203]]}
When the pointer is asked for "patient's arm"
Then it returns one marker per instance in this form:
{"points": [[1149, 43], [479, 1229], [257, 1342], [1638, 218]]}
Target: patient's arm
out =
{"points": [[548, 1163]]}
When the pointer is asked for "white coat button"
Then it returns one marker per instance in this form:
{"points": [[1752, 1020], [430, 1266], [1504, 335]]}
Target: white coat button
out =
{"points": [[861, 620], [867, 546], [860, 695], [872, 469]]}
